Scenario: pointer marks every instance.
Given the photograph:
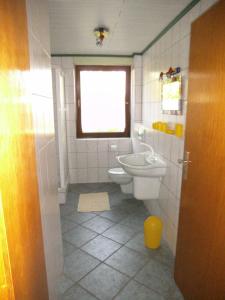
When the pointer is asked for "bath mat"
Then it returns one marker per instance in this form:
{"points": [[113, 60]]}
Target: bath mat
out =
{"points": [[93, 202]]}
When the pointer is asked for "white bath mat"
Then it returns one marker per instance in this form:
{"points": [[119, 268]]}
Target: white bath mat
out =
{"points": [[93, 202]]}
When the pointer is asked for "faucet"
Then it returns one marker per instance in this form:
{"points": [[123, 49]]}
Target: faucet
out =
{"points": [[151, 156]]}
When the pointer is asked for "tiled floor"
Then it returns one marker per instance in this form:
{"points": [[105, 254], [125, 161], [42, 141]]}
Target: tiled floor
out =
{"points": [[104, 255]]}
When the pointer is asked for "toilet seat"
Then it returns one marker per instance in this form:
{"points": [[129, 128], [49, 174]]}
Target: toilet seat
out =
{"points": [[119, 171], [118, 175]]}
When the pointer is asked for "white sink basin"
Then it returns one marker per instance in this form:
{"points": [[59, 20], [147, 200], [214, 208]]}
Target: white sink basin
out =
{"points": [[143, 164]]}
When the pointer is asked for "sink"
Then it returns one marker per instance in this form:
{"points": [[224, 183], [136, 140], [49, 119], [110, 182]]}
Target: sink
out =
{"points": [[143, 164], [147, 168]]}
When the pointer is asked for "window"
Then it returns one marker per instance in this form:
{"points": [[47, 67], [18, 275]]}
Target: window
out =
{"points": [[103, 101]]}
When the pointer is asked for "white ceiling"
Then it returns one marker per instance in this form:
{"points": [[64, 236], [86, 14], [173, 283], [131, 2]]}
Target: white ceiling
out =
{"points": [[133, 24]]}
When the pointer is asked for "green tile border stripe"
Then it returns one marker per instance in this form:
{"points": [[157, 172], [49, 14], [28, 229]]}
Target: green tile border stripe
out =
{"points": [[171, 24], [165, 30], [92, 55]]}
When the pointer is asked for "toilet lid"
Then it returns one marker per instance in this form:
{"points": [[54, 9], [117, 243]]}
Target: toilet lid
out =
{"points": [[118, 171]]}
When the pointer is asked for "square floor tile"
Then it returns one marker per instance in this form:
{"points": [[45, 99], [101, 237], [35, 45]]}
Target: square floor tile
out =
{"points": [[66, 209], [164, 255], [143, 210], [175, 293], [135, 221], [73, 198], [80, 187], [137, 244], [77, 293], [67, 225], [120, 233], [63, 284], [130, 205], [80, 217], [127, 261], [136, 291], [104, 282], [98, 224], [115, 215], [157, 277], [68, 248], [152, 269], [118, 198], [101, 247], [79, 236], [109, 187], [78, 264]]}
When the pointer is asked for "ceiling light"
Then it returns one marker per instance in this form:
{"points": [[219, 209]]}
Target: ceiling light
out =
{"points": [[101, 33]]}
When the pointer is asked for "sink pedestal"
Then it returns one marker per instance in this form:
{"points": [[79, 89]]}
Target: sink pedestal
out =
{"points": [[127, 188], [146, 188]]}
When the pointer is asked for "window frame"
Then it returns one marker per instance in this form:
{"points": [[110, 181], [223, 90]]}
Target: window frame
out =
{"points": [[80, 133]]}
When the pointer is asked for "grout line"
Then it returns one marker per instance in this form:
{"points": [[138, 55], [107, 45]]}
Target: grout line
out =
{"points": [[121, 244], [104, 261], [88, 291]]}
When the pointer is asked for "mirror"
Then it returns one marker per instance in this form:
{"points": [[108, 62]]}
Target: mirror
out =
{"points": [[171, 95]]}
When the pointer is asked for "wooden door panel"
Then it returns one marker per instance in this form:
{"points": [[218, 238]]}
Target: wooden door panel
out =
{"points": [[20, 217], [200, 258]]}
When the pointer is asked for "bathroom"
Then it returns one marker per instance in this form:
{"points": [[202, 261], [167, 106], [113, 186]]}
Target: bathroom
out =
{"points": [[148, 167]]}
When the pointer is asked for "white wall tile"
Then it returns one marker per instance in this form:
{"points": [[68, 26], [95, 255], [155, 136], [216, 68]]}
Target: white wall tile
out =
{"points": [[67, 62], [205, 4], [70, 95], [179, 182], [40, 78], [73, 160], [103, 175], [56, 61], [92, 145], [113, 163], [124, 145], [92, 159], [138, 94], [70, 112], [171, 50], [175, 153], [92, 175], [171, 236], [82, 162], [103, 159], [71, 128], [138, 112], [172, 179], [138, 61], [81, 146], [138, 76], [113, 142], [71, 144], [69, 77], [82, 176], [163, 198], [103, 146], [73, 175]]}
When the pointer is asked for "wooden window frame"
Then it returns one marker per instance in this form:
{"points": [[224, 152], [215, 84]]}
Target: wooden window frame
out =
{"points": [[80, 133]]}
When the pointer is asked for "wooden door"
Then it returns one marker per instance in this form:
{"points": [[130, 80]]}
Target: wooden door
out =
{"points": [[22, 266], [200, 256]]}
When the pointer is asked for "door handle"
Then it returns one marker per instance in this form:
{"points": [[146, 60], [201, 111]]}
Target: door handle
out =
{"points": [[185, 162]]}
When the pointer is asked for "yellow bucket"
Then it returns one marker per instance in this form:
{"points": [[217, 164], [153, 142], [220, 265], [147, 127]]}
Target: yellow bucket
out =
{"points": [[152, 232]]}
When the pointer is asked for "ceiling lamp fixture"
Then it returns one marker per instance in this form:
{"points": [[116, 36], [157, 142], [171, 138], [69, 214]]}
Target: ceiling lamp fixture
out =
{"points": [[101, 33]]}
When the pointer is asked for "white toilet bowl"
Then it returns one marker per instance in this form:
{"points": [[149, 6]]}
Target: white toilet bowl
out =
{"points": [[118, 175]]}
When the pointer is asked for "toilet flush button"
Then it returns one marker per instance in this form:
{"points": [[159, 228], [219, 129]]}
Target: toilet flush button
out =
{"points": [[113, 148]]}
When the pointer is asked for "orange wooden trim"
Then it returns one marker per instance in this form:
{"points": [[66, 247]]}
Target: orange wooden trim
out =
{"points": [[21, 230]]}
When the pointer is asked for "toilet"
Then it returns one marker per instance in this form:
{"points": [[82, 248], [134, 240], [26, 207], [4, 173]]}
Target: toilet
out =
{"points": [[118, 175]]}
